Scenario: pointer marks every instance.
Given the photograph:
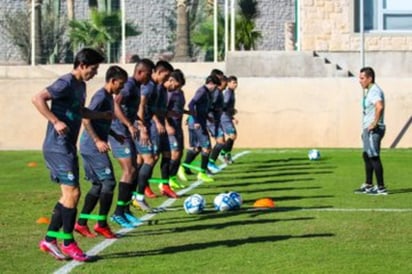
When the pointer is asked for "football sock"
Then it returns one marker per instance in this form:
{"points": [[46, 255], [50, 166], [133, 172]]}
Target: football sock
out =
{"points": [[56, 220], [204, 161], [215, 151], [123, 198], [143, 177], [228, 145], [106, 199], [173, 167], [165, 168], [368, 168], [90, 202], [190, 156], [69, 219]]}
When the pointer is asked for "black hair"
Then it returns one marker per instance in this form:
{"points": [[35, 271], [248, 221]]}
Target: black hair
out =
{"points": [[217, 72], [116, 72], [212, 79], [163, 65], [88, 57], [147, 63], [369, 72], [179, 76], [232, 78]]}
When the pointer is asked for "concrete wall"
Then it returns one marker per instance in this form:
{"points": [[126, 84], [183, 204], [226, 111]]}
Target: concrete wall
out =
{"points": [[273, 112]]}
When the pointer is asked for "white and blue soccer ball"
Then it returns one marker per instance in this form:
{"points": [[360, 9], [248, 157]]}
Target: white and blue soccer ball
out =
{"points": [[223, 202], [314, 155], [194, 204], [237, 199]]}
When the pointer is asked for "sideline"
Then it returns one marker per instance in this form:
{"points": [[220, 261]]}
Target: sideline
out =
{"points": [[108, 242], [359, 209]]}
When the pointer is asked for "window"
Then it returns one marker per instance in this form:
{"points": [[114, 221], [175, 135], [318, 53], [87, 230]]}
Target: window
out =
{"points": [[384, 15]]}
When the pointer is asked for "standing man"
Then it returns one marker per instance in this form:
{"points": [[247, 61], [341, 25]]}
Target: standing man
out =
{"points": [[94, 150], [373, 130], [67, 95]]}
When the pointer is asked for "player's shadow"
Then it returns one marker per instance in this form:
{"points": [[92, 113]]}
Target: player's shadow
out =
{"points": [[399, 191], [268, 181], [231, 243], [258, 190], [217, 226], [292, 198]]}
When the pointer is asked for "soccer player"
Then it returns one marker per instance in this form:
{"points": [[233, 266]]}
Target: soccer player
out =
{"points": [[175, 106], [199, 139], [373, 130], [94, 149], [213, 122], [152, 137], [126, 104], [67, 95], [228, 120]]}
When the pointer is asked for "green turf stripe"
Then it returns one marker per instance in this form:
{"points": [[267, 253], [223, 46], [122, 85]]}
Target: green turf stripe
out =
{"points": [[158, 181], [60, 235], [199, 169], [93, 217]]}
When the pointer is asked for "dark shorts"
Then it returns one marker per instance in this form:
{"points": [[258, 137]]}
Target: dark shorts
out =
{"points": [[372, 141], [98, 167], [176, 141], [160, 141], [126, 149], [150, 148], [228, 127], [63, 166], [215, 130], [199, 138]]}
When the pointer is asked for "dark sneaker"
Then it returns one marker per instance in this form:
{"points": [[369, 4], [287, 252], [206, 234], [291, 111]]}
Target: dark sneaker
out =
{"points": [[378, 191], [52, 249], [364, 188]]}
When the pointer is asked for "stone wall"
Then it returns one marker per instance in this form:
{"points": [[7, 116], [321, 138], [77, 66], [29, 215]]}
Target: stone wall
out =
{"points": [[153, 18], [327, 25]]}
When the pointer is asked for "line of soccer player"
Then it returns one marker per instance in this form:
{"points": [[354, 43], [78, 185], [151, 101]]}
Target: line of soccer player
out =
{"points": [[140, 119]]}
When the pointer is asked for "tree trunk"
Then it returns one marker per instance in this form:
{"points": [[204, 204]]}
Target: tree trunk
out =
{"points": [[182, 33], [70, 9], [37, 31]]}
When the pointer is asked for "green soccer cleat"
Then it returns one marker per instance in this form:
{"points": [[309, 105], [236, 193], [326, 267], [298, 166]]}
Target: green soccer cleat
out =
{"points": [[182, 174], [204, 177], [174, 183]]}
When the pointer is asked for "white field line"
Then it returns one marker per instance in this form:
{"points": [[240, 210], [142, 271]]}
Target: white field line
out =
{"points": [[108, 242], [358, 209]]}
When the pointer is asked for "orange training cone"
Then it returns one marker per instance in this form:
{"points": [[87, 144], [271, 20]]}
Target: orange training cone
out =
{"points": [[43, 220], [264, 203]]}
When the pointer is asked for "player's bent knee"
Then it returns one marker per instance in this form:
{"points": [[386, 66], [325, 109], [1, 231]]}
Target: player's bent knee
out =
{"points": [[96, 189], [108, 186]]}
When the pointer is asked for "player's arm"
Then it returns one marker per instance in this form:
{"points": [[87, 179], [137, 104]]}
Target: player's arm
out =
{"points": [[101, 145], [118, 113], [379, 106], [144, 137], [91, 114], [39, 100]]}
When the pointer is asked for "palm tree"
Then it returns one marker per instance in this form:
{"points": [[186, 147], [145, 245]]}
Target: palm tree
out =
{"points": [[182, 53], [102, 28], [246, 35]]}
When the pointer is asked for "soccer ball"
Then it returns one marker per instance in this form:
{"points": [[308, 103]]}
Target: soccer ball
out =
{"points": [[237, 199], [223, 202], [314, 154], [194, 204]]}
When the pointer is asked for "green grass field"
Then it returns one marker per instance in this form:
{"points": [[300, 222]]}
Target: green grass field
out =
{"points": [[318, 226]]}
